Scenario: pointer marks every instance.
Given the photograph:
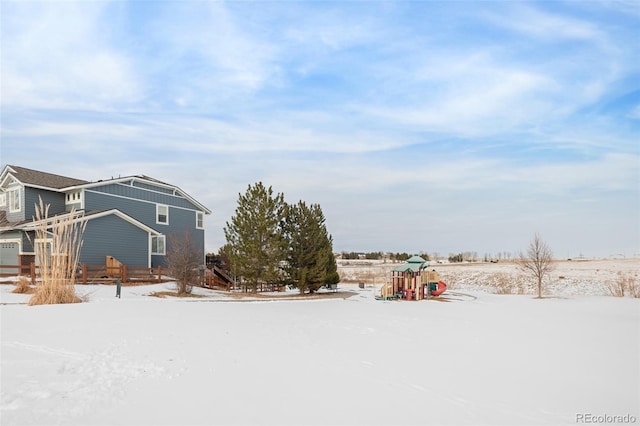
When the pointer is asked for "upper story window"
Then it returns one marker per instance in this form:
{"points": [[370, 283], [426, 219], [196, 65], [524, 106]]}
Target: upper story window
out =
{"points": [[15, 204], [162, 214], [3, 199], [74, 197], [199, 220]]}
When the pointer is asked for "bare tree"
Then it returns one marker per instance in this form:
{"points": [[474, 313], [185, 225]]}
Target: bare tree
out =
{"points": [[183, 262], [537, 262]]}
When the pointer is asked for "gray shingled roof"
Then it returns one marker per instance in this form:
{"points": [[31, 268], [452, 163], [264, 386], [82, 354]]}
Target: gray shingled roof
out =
{"points": [[47, 180]]}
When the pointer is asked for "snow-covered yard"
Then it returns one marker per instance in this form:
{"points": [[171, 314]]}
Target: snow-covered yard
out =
{"points": [[480, 359]]}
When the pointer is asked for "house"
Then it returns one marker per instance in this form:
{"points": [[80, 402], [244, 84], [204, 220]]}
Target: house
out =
{"points": [[132, 219]]}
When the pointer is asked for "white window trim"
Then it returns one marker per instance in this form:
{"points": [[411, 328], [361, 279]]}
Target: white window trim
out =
{"points": [[200, 219], [164, 245], [12, 195], [3, 199], [158, 207], [13, 241], [74, 197]]}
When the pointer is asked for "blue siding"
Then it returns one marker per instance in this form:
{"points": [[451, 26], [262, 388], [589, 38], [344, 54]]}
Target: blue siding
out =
{"points": [[153, 187], [157, 195], [139, 210], [32, 198], [181, 222], [113, 236], [27, 242]]}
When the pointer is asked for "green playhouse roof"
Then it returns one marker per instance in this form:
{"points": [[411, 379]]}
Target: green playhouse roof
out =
{"points": [[413, 264]]}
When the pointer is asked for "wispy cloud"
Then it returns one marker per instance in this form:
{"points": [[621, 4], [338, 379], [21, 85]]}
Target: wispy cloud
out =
{"points": [[60, 57], [548, 26], [473, 96], [212, 50]]}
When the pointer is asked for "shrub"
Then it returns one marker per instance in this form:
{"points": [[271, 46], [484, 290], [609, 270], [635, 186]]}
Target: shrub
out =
{"points": [[183, 262], [504, 283], [625, 285]]}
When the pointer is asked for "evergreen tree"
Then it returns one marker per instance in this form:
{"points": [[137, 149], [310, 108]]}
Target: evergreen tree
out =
{"points": [[223, 259], [310, 262], [255, 236], [331, 276]]}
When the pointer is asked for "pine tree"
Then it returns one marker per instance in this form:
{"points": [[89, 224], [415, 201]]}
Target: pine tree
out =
{"points": [[255, 236], [331, 276], [310, 262]]}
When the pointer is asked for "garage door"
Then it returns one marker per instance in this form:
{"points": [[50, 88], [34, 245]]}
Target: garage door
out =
{"points": [[9, 256]]}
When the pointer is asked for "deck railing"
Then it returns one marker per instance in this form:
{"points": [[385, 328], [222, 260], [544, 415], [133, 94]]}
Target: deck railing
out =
{"points": [[92, 273]]}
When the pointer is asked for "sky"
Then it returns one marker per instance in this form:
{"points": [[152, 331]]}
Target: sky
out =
{"points": [[418, 126]]}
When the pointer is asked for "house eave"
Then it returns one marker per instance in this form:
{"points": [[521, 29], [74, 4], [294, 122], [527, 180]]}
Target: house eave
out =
{"points": [[86, 216]]}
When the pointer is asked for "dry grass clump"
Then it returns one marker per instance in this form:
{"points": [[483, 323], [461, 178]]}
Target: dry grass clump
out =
{"points": [[625, 285], [23, 286], [453, 279], [57, 245], [54, 294], [495, 282], [504, 283]]}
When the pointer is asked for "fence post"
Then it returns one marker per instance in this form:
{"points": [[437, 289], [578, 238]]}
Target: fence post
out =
{"points": [[84, 273], [32, 270], [123, 273], [159, 273]]}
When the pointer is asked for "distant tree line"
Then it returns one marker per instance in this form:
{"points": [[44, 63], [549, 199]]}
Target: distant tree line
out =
{"points": [[374, 255], [379, 255], [271, 242], [465, 256]]}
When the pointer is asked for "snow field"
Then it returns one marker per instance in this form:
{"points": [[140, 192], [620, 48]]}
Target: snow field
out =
{"points": [[139, 360]]}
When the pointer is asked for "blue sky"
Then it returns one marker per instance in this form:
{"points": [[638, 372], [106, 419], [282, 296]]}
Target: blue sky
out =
{"points": [[417, 126]]}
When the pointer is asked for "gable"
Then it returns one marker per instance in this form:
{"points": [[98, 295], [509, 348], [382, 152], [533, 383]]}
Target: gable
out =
{"points": [[146, 189], [114, 235], [36, 179]]}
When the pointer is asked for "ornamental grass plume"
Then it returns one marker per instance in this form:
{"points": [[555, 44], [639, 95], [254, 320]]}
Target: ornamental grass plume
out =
{"points": [[23, 286], [57, 244]]}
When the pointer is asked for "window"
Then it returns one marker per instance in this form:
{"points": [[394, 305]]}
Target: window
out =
{"points": [[162, 214], [199, 220], [158, 244], [15, 205], [74, 197], [3, 199]]}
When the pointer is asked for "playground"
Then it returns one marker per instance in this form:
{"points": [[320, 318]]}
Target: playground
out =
{"points": [[413, 280]]}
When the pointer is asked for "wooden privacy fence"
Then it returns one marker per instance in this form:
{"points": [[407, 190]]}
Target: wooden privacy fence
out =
{"points": [[92, 274]]}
